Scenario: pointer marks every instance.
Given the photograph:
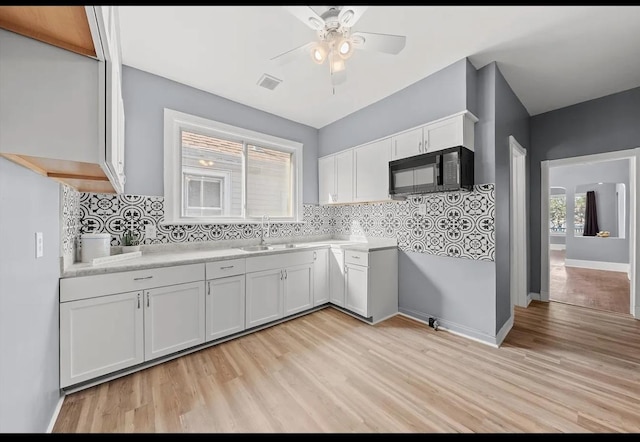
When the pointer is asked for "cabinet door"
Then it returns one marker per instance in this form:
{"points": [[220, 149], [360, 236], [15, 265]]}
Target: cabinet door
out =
{"points": [[320, 276], [407, 144], [298, 289], [225, 307], [444, 134], [357, 288], [344, 177], [326, 179], [264, 299], [173, 319], [336, 277], [372, 171], [99, 336]]}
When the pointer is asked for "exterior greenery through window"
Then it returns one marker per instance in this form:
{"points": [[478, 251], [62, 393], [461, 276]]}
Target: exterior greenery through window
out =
{"points": [[220, 173], [579, 210], [558, 214]]}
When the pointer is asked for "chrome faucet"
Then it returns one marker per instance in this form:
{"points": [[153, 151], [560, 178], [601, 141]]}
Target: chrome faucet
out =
{"points": [[262, 234]]}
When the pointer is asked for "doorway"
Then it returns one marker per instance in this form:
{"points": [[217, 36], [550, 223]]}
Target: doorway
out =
{"points": [[589, 238], [518, 222]]}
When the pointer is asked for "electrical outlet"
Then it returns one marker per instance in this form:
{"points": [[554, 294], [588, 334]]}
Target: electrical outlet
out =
{"points": [[39, 245], [422, 209], [150, 231]]}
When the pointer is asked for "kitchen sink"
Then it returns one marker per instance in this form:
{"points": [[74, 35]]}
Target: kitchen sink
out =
{"points": [[255, 248], [284, 246]]}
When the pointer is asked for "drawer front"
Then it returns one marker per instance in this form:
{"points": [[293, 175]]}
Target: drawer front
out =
{"points": [[222, 269], [357, 258], [278, 261], [85, 287]]}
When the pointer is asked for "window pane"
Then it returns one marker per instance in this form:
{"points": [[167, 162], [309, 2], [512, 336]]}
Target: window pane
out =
{"points": [[219, 162], [193, 193], [269, 190], [211, 194], [558, 214], [579, 212]]}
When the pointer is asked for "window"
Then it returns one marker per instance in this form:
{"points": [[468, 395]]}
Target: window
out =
{"points": [[579, 213], [215, 172], [557, 211]]}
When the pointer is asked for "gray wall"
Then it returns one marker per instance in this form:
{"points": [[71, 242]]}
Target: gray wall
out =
{"points": [[485, 129], [440, 94], [605, 124], [146, 95], [29, 380], [459, 292], [574, 178], [511, 119]]}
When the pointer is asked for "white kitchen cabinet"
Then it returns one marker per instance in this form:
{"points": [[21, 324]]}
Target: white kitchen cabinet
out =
{"points": [[320, 277], [99, 336], [174, 319], [457, 130], [344, 177], [264, 297], [372, 171], [357, 289], [225, 307], [298, 288], [336, 277], [407, 144], [327, 179]]}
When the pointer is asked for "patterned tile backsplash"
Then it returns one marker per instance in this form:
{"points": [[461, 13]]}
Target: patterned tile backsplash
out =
{"points": [[70, 221], [456, 224]]}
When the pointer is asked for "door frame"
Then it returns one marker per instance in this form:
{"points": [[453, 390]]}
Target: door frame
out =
{"points": [[633, 155], [518, 222]]}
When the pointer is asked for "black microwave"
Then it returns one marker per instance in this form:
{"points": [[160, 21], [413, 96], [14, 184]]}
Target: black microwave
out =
{"points": [[442, 170]]}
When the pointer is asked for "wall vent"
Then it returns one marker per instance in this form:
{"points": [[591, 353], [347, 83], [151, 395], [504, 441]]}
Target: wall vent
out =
{"points": [[268, 81]]}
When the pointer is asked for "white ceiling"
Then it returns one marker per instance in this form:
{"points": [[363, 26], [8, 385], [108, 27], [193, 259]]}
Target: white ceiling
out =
{"points": [[552, 56]]}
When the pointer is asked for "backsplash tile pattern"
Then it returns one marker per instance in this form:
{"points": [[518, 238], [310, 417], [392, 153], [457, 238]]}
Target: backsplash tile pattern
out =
{"points": [[69, 222], [456, 224]]}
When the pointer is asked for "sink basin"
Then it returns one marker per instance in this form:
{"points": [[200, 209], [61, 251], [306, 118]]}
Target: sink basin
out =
{"points": [[255, 248], [284, 246]]}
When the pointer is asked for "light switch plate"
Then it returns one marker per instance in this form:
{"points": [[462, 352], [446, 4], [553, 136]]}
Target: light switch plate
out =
{"points": [[150, 231], [39, 245], [422, 209]]}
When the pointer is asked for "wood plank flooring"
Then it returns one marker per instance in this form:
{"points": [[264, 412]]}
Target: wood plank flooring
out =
{"points": [[562, 368], [599, 289]]}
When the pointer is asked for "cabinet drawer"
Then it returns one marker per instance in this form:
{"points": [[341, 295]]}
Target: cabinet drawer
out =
{"points": [[84, 287], [278, 261], [221, 269], [358, 258]]}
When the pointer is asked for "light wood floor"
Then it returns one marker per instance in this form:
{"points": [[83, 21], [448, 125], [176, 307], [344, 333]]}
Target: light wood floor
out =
{"points": [[562, 368], [599, 289]]}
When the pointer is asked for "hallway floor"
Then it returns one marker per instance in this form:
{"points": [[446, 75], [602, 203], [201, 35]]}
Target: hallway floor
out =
{"points": [[598, 289]]}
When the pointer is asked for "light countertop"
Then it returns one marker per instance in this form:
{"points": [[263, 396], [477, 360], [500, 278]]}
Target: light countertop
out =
{"points": [[168, 257]]}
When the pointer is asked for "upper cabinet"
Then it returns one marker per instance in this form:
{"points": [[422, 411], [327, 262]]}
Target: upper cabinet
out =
{"points": [[456, 130], [335, 178], [61, 108], [371, 165]]}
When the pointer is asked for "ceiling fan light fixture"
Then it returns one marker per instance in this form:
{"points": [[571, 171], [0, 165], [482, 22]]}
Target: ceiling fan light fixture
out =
{"points": [[318, 53], [337, 63], [345, 48]]}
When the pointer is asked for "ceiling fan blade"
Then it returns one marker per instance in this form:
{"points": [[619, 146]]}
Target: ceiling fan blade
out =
{"points": [[307, 16], [291, 55], [369, 41], [349, 15]]}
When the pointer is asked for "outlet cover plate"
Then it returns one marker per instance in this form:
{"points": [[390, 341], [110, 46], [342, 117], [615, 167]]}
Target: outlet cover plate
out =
{"points": [[150, 231], [39, 245]]}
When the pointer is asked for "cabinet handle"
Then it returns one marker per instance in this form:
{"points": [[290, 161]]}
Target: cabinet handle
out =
{"points": [[147, 299], [420, 146], [209, 288], [345, 269], [281, 274], [396, 148], [140, 279], [138, 300], [355, 257], [226, 267], [285, 274], [314, 256]]}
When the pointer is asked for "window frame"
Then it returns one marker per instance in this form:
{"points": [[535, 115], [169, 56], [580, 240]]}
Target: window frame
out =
{"points": [[175, 122], [222, 177]]}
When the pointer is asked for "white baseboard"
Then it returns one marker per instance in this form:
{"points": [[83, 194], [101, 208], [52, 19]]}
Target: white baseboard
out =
{"points": [[533, 296], [557, 246], [504, 331], [452, 327], [597, 265], [56, 412], [528, 299]]}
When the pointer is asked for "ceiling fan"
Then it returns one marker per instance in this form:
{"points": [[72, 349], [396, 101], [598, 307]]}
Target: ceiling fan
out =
{"points": [[336, 42]]}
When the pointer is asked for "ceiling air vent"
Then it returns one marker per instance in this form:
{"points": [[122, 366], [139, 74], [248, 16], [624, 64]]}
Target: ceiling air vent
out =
{"points": [[269, 82]]}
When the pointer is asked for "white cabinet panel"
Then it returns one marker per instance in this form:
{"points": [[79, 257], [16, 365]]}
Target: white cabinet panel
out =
{"points": [[407, 144], [443, 135], [320, 276], [357, 289], [99, 336], [372, 171], [336, 277], [225, 307], [264, 297], [327, 179], [298, 289], [344, 177], [173, 319]]}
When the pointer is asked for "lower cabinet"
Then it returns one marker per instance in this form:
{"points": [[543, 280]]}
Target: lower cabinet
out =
{"points": [[320, 277], [173, 319], [264, 297], [357, 289], [100, 335], [298, 289], [336, 277], [225, 307]]}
